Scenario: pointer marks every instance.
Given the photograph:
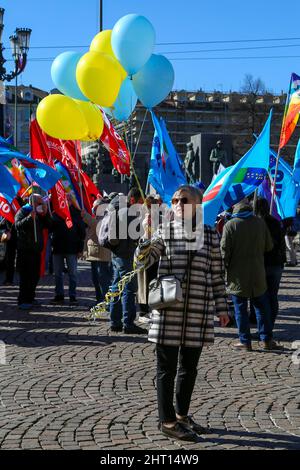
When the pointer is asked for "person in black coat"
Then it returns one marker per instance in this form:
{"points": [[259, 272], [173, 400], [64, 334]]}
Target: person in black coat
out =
{"points": [[30, 221], [274, 259], [67, 244], [9, 237]]}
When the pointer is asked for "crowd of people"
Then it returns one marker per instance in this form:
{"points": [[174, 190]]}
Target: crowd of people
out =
{"points": [[236, 266]]}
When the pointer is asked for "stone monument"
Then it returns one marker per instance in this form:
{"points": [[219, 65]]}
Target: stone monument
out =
{"points": [[203, 146], [218, 155]]}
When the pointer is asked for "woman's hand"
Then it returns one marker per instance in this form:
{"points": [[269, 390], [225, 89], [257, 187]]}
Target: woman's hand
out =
{"points": [[5, 237]]}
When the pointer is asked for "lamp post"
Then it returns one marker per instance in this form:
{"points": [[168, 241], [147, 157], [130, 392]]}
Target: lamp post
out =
{"points": [[20, 46]]}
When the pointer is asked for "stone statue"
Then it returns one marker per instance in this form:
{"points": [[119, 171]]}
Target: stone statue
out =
{"points": [[189, 163], [217, 155]]}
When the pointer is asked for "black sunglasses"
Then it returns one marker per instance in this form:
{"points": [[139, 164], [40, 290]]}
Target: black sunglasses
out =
{"points": [[183, 200]]}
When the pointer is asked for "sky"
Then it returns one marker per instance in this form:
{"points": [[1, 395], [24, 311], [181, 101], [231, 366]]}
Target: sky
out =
{"points": [[69, 23]]}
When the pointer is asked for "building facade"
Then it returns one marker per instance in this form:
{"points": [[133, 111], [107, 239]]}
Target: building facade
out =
{"points": [[28, 98], [190, 113], [186, 114]]}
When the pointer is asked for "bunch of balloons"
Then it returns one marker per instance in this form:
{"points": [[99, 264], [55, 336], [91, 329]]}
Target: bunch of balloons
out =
{"points": [[119, 69]]}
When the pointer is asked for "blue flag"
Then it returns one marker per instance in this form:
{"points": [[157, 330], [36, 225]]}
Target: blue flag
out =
{"points": [[6, 143], [240, 180], [296, 170], [68, 184], [166, 172], [45, 176], [265, 191], [287, 192], [9, 187]]}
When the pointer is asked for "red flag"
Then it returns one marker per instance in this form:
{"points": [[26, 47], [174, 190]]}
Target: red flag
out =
{"points": [[67, 156], [41, 151], [91, 192], [7, 210], [66, 151], [118, 151]]}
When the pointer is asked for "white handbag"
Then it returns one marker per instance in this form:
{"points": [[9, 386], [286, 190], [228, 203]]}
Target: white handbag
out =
{"points": [[164, 291]]}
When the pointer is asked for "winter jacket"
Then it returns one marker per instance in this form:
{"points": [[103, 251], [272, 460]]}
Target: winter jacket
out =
{"points": [[189, 323], [277, 256], [68, 241], [243, 245], [92, 250], [25, 230]]}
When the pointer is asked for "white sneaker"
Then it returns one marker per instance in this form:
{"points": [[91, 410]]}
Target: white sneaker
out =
{"points": [[145, 318]]}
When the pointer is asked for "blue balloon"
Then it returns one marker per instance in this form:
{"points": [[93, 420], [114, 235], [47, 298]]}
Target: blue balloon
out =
{"points": [[154, 81], [133, 40], [63, 73], [125, 103]]}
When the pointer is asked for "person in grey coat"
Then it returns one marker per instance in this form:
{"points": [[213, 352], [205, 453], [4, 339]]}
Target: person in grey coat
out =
{"points": [[181, 330]]}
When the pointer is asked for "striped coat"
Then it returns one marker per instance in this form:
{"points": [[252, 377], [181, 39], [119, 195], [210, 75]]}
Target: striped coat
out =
{"points": [[188, 324]]}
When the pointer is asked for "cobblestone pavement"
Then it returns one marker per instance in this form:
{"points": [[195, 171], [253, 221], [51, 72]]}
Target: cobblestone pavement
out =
{"points": [[69, 384]]}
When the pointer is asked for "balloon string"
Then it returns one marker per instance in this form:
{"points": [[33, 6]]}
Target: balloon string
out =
{"points": [[131, 168], [138, 182], [115, 296], [79, 174], [140, 135], [131, 157], [125, 135]]}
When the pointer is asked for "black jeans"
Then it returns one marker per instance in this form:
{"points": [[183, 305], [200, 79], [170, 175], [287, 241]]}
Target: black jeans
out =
{"points": [[29, 270], [273, 275], [167, 361], [11, 251]]}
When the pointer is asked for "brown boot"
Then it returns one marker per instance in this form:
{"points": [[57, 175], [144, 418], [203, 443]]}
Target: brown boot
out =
{"points": [[271, 345]]}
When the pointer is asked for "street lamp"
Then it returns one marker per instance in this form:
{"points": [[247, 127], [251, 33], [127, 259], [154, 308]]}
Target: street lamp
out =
{"points": [[20, 45]]}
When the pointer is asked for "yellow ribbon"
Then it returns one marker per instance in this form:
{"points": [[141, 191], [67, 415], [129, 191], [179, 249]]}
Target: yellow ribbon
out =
{"points": [[100, 309]]}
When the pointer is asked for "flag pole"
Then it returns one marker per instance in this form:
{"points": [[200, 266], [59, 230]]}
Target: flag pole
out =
{"points": [[79, 174], [28, 189], [273, 182], [34, 219], [49, 207]]}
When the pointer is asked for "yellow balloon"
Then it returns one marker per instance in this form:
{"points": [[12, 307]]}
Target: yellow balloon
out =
{"points": [[102, 43], [93, 118], [98, 76], [60, 117]]}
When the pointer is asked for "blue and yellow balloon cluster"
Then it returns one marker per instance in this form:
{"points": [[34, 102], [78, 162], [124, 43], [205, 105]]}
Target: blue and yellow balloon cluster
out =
{"points": [[118, 69]]}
